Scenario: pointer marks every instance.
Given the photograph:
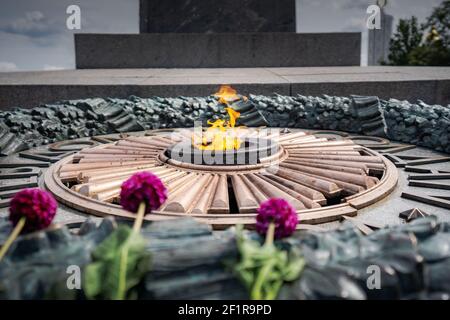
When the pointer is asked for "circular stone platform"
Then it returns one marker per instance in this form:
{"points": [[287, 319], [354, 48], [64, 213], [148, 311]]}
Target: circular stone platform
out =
{"points": [[423, 181], [321, 177]]}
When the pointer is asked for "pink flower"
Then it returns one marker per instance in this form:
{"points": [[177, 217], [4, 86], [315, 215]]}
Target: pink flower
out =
{"points": [[279, 212], [37, 206], [143, 187]]}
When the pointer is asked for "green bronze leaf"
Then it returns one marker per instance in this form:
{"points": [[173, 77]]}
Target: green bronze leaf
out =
{"points": [[119, 263], [264, 268]]}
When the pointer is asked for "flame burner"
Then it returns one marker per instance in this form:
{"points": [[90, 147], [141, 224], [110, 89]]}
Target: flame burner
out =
{"points": [[251, 151]]}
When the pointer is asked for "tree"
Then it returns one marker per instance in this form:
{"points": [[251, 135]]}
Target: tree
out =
{"points": [[439, 22], [407, 38], [424, 45]]}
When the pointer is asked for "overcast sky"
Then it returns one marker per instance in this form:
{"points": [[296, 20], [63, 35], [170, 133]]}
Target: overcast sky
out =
{"points": [[33, 33]]}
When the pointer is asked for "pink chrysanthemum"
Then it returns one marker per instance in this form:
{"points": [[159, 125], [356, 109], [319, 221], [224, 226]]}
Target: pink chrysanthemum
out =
{"points": [[281, 213], [143, 187], [37, 206]]}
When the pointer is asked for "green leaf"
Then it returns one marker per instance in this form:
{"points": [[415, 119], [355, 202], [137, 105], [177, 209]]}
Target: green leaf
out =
{"points": [[119, 263], [264, 268], [93, 279], [295, 266]]}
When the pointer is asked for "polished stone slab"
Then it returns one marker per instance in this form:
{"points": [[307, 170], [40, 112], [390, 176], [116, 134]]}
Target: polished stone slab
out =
{"points": [[28, 89], [206, 16], [219, 50]]}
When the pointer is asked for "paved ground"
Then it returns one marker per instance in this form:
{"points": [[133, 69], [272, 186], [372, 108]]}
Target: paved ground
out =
{"points": [[27, 89]]}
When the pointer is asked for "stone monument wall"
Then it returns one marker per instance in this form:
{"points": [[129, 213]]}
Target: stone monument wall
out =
{"points": [[221, 50], [214, 16], [217, 34]]}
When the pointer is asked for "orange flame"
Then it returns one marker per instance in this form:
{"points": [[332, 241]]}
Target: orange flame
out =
{"points": [[226, 94], [221, 134]]}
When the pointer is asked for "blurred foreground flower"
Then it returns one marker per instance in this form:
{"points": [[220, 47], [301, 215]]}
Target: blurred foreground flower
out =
{"points": [[280, 214], [121, 260], [264, 268], [30, 210], [143, 187]]}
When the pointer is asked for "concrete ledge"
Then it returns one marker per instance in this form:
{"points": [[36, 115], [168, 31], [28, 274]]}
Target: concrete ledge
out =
{"points": [[28, 89], [219, 50]]}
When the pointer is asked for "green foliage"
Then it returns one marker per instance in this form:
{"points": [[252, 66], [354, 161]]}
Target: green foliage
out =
{"points": [[119, 263], [427, 44], [440, 21], [264, 268], [404, 41]]}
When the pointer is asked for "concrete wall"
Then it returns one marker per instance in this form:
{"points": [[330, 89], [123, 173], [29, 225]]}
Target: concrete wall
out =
{"points": [[221, 50]]}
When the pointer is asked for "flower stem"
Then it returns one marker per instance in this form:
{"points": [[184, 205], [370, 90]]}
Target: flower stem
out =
{"points": [[273, 293], [14, 234], [270, 234], [139, 217], [121, 287], [256, 293]]}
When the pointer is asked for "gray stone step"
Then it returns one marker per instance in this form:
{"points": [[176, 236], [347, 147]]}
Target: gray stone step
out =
{"points": [[28, 89]]}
